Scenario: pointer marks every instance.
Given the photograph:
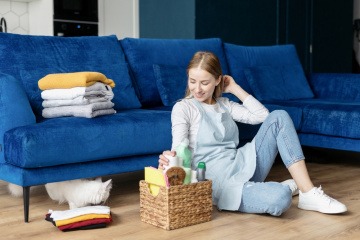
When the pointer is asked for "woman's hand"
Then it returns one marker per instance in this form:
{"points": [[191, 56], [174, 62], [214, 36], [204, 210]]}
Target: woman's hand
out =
{"points": [[163, 161], [229, 84]]}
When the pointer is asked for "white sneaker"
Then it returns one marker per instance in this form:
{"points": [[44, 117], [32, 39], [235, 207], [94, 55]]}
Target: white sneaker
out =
{"points": [[317, 200], [292, 185]]}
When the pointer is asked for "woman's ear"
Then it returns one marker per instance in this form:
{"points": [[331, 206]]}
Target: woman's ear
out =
{"points": [[218, 81]]}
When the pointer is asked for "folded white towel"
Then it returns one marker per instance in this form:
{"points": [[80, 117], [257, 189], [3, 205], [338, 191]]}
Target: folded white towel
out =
{"points": [[88, 111], [98, 89], [71, 102], [67, 214]]}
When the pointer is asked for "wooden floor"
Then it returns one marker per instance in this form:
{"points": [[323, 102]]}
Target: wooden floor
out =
{"points": [[339, 177]]}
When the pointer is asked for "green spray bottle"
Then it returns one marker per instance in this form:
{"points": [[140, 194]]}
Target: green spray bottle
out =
{"points": [[183, 152]]}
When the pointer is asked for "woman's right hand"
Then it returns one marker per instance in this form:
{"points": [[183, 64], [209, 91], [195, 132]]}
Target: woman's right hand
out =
{"points": [[163, 161]]}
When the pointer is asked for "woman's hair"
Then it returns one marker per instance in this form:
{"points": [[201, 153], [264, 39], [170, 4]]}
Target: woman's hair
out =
{"points": [[209, 62]]}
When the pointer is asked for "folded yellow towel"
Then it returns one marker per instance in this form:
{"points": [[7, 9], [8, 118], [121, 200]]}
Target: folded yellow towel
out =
{"points": [[59, 223], [70, 80]]}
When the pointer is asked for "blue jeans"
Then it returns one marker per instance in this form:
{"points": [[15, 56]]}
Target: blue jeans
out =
{"points": [[276, 135]]}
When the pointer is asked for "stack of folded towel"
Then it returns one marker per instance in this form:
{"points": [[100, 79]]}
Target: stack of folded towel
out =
{"points": [[78, 94], [90, 217]]}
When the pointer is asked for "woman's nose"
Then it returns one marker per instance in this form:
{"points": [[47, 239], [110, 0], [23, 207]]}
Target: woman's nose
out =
{"points": [[198, 88]]}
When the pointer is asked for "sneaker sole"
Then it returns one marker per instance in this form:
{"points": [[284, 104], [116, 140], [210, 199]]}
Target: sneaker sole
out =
{"points": [[312, 208]]}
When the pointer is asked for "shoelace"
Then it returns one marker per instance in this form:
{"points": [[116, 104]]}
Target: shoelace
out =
{"points": [[322, 194]]}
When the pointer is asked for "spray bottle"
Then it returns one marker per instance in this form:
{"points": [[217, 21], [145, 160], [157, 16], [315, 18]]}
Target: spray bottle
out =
{"points": [[183, 152]]}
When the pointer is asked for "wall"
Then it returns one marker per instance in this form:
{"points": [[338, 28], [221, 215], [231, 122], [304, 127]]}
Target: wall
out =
{"points": [[119, 17], [16, 15], [356, 47], [41, 17], [356, 9], [167, 19]]}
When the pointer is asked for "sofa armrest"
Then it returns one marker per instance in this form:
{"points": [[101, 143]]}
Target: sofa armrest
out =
{"points": [[336, 86], [15, 109]]}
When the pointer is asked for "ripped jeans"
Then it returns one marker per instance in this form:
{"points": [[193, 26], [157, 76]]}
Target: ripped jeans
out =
{"points": [[276, 135]]}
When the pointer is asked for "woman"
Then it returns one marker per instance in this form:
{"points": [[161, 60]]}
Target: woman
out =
{"points": [[207, 120]]}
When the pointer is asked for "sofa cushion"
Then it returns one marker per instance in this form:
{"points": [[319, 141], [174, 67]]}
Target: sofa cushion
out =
{"points": [[171, 82], [30, 58], [243, 57], [143, 53], [326, 117], [74, 140], [278, 82], [295, 113], [247, 132], [332, 119], [15, 109]]}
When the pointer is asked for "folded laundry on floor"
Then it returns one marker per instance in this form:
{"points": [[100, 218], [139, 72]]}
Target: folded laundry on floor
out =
{"points": [[80, 218], [88, 111], [66, 214], [70, 80]]}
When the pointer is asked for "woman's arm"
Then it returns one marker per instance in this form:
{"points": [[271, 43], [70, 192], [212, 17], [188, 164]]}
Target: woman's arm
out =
{"points": [[255, 112], [251, 111], [230, 86], [180, 130], [180, 123]]}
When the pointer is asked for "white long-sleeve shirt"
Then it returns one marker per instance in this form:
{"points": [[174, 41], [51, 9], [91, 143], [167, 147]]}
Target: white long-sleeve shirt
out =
{"points": [[186, 117]]}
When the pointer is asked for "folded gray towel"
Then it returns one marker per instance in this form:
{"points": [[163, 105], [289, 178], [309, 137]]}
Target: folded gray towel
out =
{"points": [[88, 111], [73, 102]]}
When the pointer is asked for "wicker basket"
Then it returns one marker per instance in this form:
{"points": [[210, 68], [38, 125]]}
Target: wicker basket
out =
{"points": [[177, 206]]}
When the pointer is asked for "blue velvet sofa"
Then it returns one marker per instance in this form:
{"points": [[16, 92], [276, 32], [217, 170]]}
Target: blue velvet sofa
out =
{"points": [[150, 76]]}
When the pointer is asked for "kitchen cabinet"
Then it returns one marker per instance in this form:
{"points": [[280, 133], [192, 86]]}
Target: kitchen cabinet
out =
{"points": [[115, 17]]}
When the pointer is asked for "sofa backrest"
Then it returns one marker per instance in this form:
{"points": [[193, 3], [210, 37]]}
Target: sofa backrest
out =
{"points": [[240, 58], [268, 72], [29, 58], [173, 54], [336, 86]]}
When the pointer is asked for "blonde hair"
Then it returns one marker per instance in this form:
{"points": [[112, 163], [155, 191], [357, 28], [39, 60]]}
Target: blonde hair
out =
{"points": [[209, 62]]}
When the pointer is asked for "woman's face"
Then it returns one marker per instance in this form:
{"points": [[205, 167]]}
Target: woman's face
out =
{"points": [[202, 85]]}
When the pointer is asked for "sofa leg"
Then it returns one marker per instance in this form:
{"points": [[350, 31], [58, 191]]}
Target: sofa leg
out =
{"points": [[26, 199]]}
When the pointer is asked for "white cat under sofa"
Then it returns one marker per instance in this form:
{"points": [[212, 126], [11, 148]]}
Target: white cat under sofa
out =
{"points": [[149, 75]]}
